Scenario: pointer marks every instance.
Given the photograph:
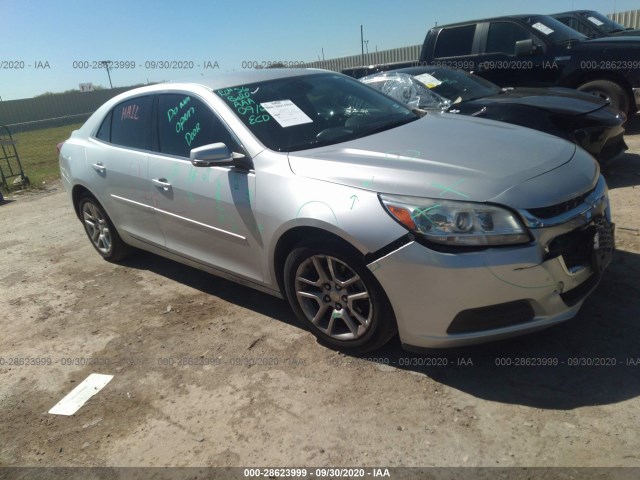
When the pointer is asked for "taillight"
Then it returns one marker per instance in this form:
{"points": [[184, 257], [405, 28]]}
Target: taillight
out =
{"points": [[59, 146]]}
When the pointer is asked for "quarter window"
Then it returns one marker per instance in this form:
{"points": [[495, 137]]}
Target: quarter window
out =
{"points": [[502, 37], [104, 132], [185, 122], [455, 41], [131, 123]]}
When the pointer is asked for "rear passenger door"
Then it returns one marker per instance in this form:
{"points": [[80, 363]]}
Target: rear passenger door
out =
{"points": [[118, 162]]}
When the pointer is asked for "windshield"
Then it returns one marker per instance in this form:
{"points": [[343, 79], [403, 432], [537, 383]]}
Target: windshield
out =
{"points": [[602, 22], [455, 85], [553, 29], [407, 89], [297, 113]]}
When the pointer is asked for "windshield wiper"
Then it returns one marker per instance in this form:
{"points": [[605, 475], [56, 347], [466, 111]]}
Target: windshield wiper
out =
{"points": [[385, 126], [311, 144], [569, 41]]}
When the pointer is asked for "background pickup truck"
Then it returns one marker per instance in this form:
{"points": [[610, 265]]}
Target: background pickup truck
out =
{"points": [[593, 24], [534, 51]]}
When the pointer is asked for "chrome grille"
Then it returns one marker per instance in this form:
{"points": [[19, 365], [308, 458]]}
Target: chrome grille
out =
{"points": [[560, 208]]}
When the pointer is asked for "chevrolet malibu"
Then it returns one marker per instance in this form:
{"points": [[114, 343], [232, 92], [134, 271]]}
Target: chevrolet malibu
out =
{"points": [[370, 218]]}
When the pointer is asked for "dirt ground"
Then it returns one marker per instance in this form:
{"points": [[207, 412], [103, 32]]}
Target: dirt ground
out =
{"points": [[210, 373]]}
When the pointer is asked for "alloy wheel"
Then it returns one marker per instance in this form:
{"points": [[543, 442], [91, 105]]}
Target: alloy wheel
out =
{"points": [[333, 297], [97, 227]]}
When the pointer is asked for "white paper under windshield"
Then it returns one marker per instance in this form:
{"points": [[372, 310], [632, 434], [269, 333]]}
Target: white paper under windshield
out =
{"points": [[286, 113], [542, 28]]}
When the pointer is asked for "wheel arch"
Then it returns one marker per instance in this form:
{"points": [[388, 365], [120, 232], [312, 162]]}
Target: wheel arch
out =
{"points": [[594, 75], [77, 192], [297, 235], [386, 325]]}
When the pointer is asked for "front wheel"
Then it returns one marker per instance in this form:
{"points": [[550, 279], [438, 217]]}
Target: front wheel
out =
{"points": [[100, 230], [610, 91], [337, 297]]}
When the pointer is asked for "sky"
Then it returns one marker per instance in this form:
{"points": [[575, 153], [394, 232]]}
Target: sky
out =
{"points": [[47, 45]]}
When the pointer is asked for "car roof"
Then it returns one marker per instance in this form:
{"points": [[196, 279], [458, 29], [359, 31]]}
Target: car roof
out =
{"points": [[491, 19], [572, 11], [232, 79]]}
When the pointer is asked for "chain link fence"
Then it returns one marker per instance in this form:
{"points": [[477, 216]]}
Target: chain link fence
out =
{"points": [[31, 150]]}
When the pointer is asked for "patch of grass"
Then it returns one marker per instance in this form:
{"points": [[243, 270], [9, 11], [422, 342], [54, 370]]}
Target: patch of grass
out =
{"points": [[38, 153]]}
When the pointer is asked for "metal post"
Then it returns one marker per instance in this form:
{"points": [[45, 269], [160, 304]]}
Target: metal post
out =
{"points": [[106, 65]]}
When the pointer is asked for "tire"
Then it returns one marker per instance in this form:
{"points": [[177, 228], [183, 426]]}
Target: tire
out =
{"points": [[610, 91], [356, 325], [100, 230]]}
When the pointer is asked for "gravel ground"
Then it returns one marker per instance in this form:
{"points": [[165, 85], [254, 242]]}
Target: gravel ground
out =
{"points": [[210, 373]]}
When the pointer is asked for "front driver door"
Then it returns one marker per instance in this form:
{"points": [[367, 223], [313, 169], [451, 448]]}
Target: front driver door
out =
{"points": [[206, 212], [503, 67]]}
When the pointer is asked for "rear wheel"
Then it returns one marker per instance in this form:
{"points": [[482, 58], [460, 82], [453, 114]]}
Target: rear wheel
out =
{"points": [[100, 230], [610, 91], [337, 298]]}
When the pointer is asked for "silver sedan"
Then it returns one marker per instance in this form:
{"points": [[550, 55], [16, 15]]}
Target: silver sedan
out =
{"points": [[368, 217]]}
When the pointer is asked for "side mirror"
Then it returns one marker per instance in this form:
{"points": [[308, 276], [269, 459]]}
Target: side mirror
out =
{"points": [[524, 47], [214, 155]]}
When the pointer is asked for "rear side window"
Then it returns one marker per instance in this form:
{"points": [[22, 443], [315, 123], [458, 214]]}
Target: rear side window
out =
{"points": [[104, 132], [185, 122], [502, 37], [455, 41], [131, 123]]}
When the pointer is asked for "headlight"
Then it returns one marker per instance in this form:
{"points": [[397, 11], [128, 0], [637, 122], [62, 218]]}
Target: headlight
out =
{"points": [[456, 223]]}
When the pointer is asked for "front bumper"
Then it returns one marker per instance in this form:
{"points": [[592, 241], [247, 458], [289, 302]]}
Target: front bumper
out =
{"points": [[538, 284]]}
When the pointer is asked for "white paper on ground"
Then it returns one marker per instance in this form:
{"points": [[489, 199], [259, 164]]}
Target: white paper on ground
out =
{"points": [[286, 113], [77, 397]]}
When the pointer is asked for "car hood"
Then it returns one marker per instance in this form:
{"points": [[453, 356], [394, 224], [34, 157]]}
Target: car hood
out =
{"points": [[441, 155], [633, 32], [557, 100], [620, 41]]}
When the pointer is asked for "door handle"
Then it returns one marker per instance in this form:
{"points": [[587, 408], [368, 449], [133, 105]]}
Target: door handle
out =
{"points": [[98, 167], [161, 183]]}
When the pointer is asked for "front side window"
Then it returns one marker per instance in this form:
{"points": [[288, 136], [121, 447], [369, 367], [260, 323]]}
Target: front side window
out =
{"points": [[455, 41], [185, 122], [502, 37], [131, 123]]}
